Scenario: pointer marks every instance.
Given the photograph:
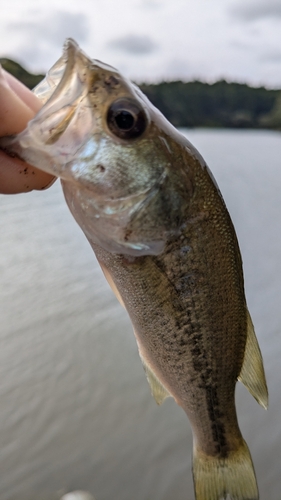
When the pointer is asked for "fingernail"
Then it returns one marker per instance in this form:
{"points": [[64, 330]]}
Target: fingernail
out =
{"points": [[49, 184]]}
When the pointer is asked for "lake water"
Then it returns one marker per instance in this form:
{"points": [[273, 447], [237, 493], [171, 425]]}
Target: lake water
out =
{"points": [[75, 408]]}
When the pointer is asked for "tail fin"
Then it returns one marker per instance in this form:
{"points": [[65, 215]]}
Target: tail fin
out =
{"points": [[225, 478]]}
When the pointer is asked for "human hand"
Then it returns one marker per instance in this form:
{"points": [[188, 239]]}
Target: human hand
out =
{"points": [[18, 105]]}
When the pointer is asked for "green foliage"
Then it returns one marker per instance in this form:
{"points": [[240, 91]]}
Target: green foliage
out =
{"points": [[221, 104], [273, 119], [20, 73]]}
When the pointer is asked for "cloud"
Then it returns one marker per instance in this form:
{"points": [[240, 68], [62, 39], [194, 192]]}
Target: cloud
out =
{"points": [[55, 27], [133, 44], [179, 69], [151, 4], [258, 9], [41, 36], [273, 56]]}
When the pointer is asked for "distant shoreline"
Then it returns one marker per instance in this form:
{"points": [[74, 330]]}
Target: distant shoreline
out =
{"points": [[197, 104]]}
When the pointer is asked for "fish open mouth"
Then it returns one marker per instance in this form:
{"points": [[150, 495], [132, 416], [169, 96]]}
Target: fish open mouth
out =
{"points": [[48, 142], [58, 76]]}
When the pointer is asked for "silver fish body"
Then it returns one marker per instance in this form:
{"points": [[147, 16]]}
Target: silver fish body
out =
{"points": [[157, 222]]}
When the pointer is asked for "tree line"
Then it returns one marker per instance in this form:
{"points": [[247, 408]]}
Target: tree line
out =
{"points": [[198, 104], [221, 104]]}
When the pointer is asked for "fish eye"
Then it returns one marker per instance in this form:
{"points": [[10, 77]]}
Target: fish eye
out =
{"points": [[126, 119]]}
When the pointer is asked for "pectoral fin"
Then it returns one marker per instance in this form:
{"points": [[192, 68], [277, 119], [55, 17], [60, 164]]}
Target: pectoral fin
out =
{"points": [[158, 391], [252, 371], [111, 283]]}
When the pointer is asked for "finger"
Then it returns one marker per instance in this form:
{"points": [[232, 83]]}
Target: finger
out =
{"points": [[23, 92], [16, 176], [14, 112]]}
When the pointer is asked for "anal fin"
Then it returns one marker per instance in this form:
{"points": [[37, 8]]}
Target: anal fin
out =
{"points": [[252, 372]]}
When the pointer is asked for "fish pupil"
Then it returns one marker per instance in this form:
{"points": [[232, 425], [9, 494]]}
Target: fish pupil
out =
{"points": [[124, 120]]}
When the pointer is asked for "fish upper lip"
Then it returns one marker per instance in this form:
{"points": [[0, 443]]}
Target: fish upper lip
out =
{"points": [[57, 77]]}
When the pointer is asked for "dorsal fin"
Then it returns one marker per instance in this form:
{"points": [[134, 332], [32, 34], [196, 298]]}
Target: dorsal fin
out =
{"points": [[158, 391], [252, 371]]}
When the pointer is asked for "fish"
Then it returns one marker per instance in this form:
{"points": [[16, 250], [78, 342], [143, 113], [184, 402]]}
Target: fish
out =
{"points": [[157, 222]]}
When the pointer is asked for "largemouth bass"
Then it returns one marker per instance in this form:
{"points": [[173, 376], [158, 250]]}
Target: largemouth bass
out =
{"points": [[161, 232]]}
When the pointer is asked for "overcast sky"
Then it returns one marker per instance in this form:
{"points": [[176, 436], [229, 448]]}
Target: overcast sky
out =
{"points": [[152, 40]]}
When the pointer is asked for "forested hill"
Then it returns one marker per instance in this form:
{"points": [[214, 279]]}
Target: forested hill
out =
{"points": [[20, 73], [221, 104], [198, 104]]}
